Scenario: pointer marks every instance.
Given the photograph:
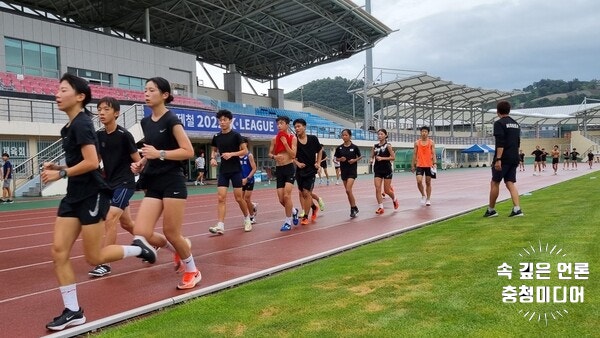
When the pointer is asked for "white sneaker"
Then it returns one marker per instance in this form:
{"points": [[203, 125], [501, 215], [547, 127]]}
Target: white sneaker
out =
{"points": [[217, 229], [428, 203], [423, 200], [195, 182], [247, 225]]}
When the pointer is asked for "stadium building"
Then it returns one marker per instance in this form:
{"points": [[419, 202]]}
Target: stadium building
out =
{"points": [[116, 45]]}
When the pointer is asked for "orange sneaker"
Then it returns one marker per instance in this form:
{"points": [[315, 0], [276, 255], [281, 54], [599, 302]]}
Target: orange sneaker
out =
{"points": [[177, 262], [189, 280], [304, 221], [396, 204], [313, 217], [379, 211]]}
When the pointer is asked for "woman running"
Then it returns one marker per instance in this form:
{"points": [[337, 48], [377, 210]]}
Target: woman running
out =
{"points": [[382, 157], [348, 155]]}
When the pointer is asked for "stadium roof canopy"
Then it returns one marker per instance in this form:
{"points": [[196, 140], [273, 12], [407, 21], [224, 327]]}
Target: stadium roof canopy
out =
{"points": [[422, 97], [264, 39]]}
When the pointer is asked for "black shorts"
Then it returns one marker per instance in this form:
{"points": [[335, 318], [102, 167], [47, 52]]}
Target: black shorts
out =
{"points": [[248, 186], [423, 171], [508, 173], [166, 186], [346, 174], [386, 174], [200, 170], [324, 164], [235, 178], [555, 160], [285, 174], [90, 210], [305, 182]]}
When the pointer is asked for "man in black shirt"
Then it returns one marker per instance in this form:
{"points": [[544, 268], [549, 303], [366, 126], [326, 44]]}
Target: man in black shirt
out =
{"points": [[308, 158], [506, 159], [230, 146]]}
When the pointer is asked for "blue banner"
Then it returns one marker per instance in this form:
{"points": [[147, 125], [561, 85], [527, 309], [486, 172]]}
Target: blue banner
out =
{"points": [[199, 120]]}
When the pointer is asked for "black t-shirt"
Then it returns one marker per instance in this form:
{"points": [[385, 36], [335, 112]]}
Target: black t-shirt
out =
{"points": [[307, 154], [115, 150], [508, 136], [349, 152], [160, 135], [574, 155], [78, 133], [383, 166], [590, 156], [538, 155], [228, 143]]}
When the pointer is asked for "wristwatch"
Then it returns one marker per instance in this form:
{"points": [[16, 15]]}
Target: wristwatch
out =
{"points": [[62, 173], [163, 154]]}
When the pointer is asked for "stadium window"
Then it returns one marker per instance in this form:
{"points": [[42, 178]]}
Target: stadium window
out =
{"points": [[92, 76], [25, 57], [131, 82]]}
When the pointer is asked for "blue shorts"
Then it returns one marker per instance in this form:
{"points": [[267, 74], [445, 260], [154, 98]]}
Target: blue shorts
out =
{"points": [[508, 173], [121, 197], [235, 178]]}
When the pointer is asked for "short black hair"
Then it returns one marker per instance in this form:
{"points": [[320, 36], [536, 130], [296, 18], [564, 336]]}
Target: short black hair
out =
{"points": [[283, 118], [5, 154], [224, 113], [503, 107], [348, 131], [301, 121], [111, 102], [425, 128]]}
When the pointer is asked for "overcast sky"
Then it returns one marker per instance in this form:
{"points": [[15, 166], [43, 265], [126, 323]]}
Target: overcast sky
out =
{"points": [[493, 44]]}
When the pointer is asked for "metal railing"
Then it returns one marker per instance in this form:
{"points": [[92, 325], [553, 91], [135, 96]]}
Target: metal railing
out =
{"points": [[29, 170]]}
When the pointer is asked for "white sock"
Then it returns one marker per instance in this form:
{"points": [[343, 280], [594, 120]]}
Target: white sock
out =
{"points": [[69, 296], [288, 220], [516, 208], [190, 265], [131, 251], [381, 205]]}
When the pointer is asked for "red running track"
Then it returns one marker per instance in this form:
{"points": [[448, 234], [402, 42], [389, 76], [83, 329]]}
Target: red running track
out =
{"points": [[29, 297]]}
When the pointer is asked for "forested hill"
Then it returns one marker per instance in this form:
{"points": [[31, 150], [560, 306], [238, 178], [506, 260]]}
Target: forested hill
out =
{"points": [[333, 93]]}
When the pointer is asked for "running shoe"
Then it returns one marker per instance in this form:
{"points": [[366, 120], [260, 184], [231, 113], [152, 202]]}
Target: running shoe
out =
{"points": [[423, 200], [295, 216], [252, 220], [353, 212], [396, 204], [66, 319], [189, 280], [321, 204], [100, 270], [305, 221], [217, 229], [148, 252], [428, 203], [196, 183], [492, 213], [247, 225], [177, 262], [286, 227], [516, 213], [379, 211], [315, 212]]}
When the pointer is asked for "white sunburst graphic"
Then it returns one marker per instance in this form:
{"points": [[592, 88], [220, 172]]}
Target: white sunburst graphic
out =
{"points": [[534, 302]]}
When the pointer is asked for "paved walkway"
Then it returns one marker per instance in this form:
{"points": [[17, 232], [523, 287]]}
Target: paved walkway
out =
{"points": [[29, 297]]}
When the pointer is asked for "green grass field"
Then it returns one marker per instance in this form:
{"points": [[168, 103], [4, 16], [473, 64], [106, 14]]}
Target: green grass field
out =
{"points": [[438, 281]]}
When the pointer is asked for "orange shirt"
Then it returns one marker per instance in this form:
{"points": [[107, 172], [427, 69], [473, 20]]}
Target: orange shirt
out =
{"points": [[279, 147], [424, 154]]}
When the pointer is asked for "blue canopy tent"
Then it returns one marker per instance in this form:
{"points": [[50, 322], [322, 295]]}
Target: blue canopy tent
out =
{"points": [[478, 149]]}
